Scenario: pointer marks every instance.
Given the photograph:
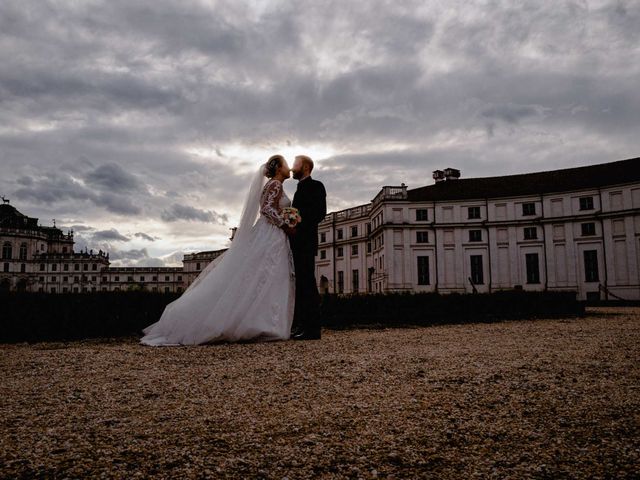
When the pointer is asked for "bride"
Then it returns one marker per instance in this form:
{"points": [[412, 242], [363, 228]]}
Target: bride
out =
{"points": [[249, 291]]}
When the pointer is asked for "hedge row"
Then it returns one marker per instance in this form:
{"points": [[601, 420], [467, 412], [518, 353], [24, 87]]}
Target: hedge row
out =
{"points": [[40, 316], [435, 309]]}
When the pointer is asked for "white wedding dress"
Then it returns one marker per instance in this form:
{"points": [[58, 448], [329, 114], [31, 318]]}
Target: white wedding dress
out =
{"points": [[247, 293]]}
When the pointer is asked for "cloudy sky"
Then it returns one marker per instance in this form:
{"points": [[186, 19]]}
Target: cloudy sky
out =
{"points": [[138, 123]]}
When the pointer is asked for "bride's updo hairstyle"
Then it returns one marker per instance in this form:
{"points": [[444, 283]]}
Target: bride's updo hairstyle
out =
{"points": [[272, 165]]}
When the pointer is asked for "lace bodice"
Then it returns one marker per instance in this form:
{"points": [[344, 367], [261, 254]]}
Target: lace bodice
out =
{"points": [[272, 201]]}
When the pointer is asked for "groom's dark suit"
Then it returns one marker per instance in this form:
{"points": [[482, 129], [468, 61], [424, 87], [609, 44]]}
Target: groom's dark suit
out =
{"points": [[310, 199]]}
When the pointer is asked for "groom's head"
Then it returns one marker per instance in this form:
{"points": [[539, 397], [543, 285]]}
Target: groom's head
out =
{"points": [[302, 167]]}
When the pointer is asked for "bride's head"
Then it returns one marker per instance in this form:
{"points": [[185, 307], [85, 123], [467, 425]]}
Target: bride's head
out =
{"points": [[276, 167]]}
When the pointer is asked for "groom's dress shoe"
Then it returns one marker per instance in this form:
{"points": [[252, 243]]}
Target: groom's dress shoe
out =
{"points": [[296, 331], [307, 336]]}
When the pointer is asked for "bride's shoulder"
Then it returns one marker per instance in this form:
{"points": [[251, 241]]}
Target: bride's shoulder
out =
{"points": [[273, 183]]}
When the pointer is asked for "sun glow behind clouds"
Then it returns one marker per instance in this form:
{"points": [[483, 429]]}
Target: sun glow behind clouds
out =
{"points": [[247, 158]]}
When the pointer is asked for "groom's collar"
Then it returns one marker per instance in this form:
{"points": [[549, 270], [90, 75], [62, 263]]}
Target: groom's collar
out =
{"points": [[305, 178]]}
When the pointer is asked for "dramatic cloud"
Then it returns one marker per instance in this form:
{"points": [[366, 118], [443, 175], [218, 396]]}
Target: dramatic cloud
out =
{"points": [[152, 115], [110, 235], [144, 236], [184, 212], [113, 178]]}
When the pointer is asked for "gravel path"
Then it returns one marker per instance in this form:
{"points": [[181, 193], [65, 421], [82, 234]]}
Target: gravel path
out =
{"points": [[529, 399]]}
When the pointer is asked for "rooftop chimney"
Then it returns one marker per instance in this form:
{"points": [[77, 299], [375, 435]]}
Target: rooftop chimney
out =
{"points": [[451, 173], [438, 175]]}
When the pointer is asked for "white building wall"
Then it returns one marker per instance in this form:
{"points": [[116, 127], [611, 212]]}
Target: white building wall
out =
{"points": [[559, 243]]}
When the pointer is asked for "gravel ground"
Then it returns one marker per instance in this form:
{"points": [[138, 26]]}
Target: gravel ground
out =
{"points": [[552, 398]]}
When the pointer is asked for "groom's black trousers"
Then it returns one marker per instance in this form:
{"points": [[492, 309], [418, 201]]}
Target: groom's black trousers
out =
{"points": [[307, 306]]}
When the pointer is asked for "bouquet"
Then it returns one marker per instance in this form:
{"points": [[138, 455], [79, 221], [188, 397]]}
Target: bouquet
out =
{"points": [[291, 216]]}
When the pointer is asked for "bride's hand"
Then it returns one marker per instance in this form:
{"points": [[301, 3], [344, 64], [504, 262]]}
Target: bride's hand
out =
{"points": [[289, 230]]}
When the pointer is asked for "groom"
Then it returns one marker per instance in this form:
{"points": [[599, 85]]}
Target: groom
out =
{"points": [[310, 200]]}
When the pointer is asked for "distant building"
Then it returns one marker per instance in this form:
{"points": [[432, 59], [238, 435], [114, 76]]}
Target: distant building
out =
{"points": [[41, 259], [571, 229]]}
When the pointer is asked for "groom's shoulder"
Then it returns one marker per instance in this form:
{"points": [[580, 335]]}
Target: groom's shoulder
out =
{"points": [[318, 184]]}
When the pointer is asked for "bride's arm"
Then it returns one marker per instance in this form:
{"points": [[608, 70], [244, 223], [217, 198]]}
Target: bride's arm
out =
{"points": [[269, 205]]}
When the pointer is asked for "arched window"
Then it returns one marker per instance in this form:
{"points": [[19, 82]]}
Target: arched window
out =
{"points": [[23, 251], [6, 251]]}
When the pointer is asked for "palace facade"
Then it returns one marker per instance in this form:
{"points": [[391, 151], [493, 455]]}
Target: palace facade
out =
{"points": [[36, 258], [571, 229]]}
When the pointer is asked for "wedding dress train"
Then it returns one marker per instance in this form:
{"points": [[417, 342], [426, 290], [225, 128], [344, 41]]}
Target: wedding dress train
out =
{"points": [[246, 293]]}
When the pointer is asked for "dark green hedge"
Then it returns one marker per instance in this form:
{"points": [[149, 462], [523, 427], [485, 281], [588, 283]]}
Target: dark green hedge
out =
{"points": [[435, 309], [40, 316], [72, 316]]}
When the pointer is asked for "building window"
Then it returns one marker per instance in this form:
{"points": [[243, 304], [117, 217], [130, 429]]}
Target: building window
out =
{"points": [[65, 289], [533, 268], [94, 267], [23, 251], [142, 278], [591, 266], [54, 267], [166, 290], [65, 267], [53, 279], [64, 249], [354, 231], [76, 279], [154, 278], [528, 209], [339, 234], [41, 279], [423, 270], [53, 290], [354, 250], [340, 252], [6, 251], [422, 237], [422, 215], [477, 274], [75, 289], [368, 247], [42, 267], [368, 228], [340, 281], [6, 266], [85, 266], [530, 233], [23, 268], [586, 203], [323, 254], [65, 279], [475, 235], [166, 278], [154, 289], [76, 267], [588, 229], [198, 266], [323, 237], [129, 279], [179, 278], [116, 278], [473, 213], [355, 280]]}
